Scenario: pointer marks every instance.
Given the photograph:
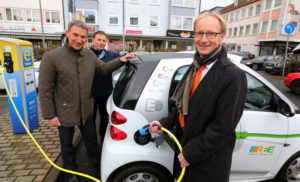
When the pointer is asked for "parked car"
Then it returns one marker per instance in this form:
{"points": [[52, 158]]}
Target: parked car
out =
{"points": [[241, 54], [276, 65], [36, 74], [292, 81], [267, 144], [250, 55], [258, 63]]}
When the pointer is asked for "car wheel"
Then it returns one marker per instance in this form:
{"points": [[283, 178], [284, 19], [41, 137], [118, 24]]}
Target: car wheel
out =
{"points": [[290, 170], [254, 67], [141, 173], [296, 86]]}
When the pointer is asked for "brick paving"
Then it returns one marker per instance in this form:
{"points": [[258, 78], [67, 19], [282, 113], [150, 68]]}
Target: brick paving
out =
{"points": [[20, 159]]}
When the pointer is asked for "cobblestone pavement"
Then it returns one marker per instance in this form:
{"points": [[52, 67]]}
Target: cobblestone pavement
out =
{"points": [[20, 159]]}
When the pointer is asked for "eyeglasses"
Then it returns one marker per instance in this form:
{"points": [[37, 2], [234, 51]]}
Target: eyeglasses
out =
{"points": [[209, 35]]}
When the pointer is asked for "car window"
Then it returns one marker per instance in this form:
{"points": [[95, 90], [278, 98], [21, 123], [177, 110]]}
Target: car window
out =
{"points": [[176, 78], [121, 85], [259, 96]]}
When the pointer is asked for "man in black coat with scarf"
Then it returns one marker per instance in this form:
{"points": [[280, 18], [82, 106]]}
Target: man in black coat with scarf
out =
{"points": [[209, 103], [103, 84]]}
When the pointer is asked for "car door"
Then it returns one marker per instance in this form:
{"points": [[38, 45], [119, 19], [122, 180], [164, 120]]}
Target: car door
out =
{"points": [[263, 132]]}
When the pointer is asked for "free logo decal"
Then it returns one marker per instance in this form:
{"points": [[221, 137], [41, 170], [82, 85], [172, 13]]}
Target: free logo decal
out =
{"points": [[261, 150], [27, 57]]}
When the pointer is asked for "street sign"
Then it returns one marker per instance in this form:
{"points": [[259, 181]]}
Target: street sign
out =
{"points": [[289, 28]]}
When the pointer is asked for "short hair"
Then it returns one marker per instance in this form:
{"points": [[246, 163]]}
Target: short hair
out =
{"points": [[77, 23], [213, 14], [99, 32]]}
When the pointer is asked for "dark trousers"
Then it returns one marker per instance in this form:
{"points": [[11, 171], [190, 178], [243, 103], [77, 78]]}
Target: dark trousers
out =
{"points": [[89, 135], [101, 104]]}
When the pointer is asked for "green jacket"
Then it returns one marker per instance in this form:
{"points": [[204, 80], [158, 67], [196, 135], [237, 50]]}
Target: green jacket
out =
{"points": [[65, 81]]}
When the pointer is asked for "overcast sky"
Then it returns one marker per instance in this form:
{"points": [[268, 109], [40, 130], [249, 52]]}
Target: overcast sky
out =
{"points": [[208, 4]]}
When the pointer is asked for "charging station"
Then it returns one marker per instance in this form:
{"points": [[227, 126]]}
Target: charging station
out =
{"points": [[17, 60]]}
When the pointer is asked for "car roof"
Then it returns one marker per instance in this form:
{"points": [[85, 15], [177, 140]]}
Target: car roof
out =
{"points": [[160, 56]]}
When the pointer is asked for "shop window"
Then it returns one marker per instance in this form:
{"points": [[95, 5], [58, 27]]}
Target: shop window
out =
{"points": [[1, 14], [264, 27], [255, 27], [184, 3], [247, 30], [52, 17], [89, 16], [159, 45], [114, 19], [273, 25], [154, 2], [33, 16], [257, 10], [268, 5], [153, 21], [266, 51], [298, 27], [181, 23], [134, 20], [13, 14]]}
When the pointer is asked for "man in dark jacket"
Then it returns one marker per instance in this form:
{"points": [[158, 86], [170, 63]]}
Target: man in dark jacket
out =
{"points": [[209, 103], [102, 84], [65, 82]]}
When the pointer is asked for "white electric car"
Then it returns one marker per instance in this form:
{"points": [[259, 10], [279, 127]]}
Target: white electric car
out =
{"points": [[268, 135]]}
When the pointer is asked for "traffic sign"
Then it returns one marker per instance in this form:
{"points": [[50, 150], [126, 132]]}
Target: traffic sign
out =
{"points": [[289, 28]]}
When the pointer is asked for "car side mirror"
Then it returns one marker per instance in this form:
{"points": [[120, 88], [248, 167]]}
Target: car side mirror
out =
{"points": [[283, 108]]}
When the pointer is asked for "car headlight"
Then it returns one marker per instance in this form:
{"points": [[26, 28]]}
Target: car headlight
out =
{"points": [[278, 65], [247, 63]]}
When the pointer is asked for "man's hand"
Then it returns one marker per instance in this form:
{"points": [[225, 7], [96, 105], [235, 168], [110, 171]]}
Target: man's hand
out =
{"points": [[54, 121], [183, 162], [125, 58], [154, 127]]}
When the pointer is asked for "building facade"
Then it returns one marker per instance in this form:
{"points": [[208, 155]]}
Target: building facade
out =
{"points": [[22, 19], [149, 25], [257, 26], [275, 16], [243, 22]]}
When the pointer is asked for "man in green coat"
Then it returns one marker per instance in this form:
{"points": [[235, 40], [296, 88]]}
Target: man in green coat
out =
{"points": [[65, 82]]}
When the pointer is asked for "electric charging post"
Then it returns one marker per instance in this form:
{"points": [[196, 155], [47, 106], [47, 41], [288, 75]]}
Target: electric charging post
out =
{"points": [[289, 28], [18, 63]]}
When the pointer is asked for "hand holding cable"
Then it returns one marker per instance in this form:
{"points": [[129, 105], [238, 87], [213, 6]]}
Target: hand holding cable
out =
{"points": [[155, 126]]}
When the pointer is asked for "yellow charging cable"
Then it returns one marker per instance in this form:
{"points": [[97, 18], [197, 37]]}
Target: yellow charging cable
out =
{"points": [[70, 171], [36, 143], [180, 149]]}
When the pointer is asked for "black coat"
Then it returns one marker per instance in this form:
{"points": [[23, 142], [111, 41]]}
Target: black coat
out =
{"points": [[215, 109], [103, 84]]}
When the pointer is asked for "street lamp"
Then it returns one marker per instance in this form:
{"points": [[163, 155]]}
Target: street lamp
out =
{"points": [[42, 25], [123, 7]]}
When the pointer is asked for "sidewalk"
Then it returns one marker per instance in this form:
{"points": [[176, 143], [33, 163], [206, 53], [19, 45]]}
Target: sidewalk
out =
{"points": [[21, 160]]}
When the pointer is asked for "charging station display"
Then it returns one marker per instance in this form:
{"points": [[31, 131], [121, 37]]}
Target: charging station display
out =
{"points": [[18, 63]]}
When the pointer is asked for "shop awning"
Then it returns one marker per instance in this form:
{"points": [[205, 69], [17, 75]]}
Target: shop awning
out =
{"points": [[32, 36]]}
